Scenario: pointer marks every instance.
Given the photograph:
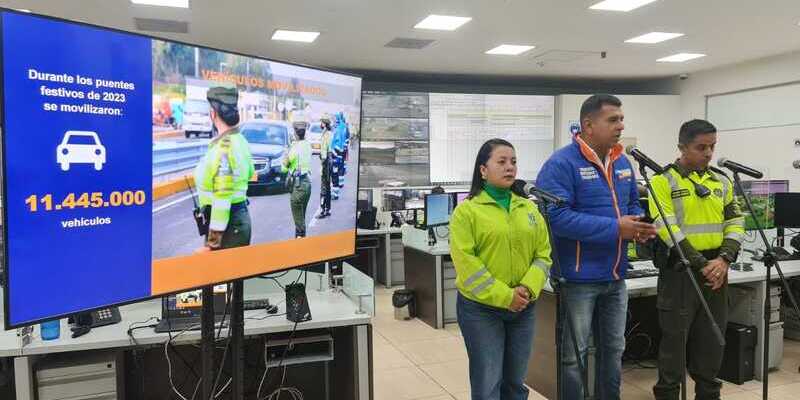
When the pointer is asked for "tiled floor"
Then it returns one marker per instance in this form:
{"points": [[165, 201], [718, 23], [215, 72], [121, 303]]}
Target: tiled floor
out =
{"points": [[413, 361]]}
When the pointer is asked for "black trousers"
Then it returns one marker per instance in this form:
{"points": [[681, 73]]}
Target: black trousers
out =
{"points": [[325, 181], [702, 354]]}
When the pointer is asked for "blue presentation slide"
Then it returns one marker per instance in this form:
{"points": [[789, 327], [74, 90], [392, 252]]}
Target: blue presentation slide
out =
{"points": [[78, 149]]}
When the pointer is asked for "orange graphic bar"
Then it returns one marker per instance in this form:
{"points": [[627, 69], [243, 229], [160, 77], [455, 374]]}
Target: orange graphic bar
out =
{"points": [[179, 273]]}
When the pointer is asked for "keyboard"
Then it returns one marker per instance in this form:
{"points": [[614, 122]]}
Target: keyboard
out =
{"points": [[256, 304], [641, 273]]}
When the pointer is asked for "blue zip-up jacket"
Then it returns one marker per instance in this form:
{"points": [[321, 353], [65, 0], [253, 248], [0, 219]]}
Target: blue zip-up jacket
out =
{"points": [[339, 133], [586, 229]]}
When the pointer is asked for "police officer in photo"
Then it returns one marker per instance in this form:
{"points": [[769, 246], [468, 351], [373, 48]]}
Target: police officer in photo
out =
{"points": [[222, 175], [325, 158], [707, 224], [298, 166]]}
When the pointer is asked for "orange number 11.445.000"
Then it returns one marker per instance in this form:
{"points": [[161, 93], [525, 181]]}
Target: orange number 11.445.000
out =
{"points": [[86, 200]]}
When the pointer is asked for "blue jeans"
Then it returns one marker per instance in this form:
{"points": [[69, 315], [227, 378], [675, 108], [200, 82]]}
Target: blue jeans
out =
{"points": [[499, 343], [596, 310]]}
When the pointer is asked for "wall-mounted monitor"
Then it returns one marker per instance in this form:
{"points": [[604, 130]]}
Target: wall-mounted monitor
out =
{"points": [[787, 212], [104, 134]]}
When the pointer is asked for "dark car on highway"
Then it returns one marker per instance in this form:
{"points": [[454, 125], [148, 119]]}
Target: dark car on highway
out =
{"points": [[269, 144]]}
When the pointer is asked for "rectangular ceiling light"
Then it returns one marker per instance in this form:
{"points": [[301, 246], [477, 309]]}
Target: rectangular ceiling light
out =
{"points": [[163, 3], [295, 36], [620, 5], [654, 37], [509, 49], [680, 57], [442, 22]]}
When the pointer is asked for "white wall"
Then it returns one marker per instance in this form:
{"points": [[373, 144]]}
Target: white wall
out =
{"points": [[651, 122], [771, 149]]}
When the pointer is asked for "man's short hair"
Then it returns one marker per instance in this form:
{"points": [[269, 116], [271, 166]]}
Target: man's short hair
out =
{"points": [[691, 129], [596, 102]]}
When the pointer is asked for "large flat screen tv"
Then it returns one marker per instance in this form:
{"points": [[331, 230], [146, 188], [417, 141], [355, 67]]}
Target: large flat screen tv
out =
{"points": [[103, 131]]}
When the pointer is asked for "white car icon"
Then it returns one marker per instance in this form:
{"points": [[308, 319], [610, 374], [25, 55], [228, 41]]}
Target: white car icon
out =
{"points": [[81, 147]]}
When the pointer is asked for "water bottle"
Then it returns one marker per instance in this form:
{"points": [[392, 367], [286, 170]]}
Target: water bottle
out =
{"points": [[50, 330]]}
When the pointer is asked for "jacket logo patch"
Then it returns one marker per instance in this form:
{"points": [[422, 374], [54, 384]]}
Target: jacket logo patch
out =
{"points": [[624, 173], [680, 193], [532, 219], [718, 192], [588, 173]]}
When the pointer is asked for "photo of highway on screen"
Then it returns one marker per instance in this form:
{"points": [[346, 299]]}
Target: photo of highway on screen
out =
{"points": [[271, 98]]}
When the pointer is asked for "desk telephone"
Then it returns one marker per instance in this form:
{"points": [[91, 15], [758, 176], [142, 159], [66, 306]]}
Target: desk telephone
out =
{"points": [[84, 322]]}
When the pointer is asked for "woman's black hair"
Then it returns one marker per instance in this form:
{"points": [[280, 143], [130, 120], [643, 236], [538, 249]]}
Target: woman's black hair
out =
{"points": [[229, 114], [483, 157]]}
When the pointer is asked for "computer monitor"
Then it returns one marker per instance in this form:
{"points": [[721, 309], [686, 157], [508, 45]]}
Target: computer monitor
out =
{"points": [[762, 196], [461, 196], [437, 209], [415, 198], [787, 210], [393, 200], [364, 199], [189, 304], [119, 219], [183, 311]]}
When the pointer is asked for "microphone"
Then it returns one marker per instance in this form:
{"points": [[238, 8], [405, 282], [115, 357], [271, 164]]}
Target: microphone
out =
{"points": [[648, 162], [796, 164], [527, 188], [736, 167]]}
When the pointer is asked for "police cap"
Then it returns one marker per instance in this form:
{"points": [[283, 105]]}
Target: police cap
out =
{"points": [[300, 125], [223, 95]]}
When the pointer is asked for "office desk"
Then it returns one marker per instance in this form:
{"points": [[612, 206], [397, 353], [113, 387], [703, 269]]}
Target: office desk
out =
{"points": [[391, 258], [431, 275], [542, 364], [329, 310]]}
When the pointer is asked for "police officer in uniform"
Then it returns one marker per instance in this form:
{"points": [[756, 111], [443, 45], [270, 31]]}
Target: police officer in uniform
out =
{"points": [[298, 165], [706, 221], [325, 158], [222, 175]]}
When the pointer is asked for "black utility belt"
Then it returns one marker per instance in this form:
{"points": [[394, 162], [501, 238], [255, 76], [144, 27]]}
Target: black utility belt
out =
{"points": [[238, 206]]}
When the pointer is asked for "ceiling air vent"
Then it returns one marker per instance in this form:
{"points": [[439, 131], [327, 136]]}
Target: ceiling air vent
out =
{"points": [[161, 25], [566, 57], [409, 43]]}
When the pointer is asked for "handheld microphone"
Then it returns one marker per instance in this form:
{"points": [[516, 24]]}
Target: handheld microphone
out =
{"points": [[545, 196], [736, 167], [648, 162]]}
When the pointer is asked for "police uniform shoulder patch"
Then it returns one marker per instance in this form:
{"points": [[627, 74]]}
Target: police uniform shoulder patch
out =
{"points": [[532, 219], [680, 193]]}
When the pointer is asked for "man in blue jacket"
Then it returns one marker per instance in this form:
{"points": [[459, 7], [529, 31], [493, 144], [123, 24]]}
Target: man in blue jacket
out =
{"points": [[591, 232], [338, 145]]}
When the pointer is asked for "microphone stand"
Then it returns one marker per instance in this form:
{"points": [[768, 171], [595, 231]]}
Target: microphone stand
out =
{"points": [[769, 260], [560, 292], [686, 267]]}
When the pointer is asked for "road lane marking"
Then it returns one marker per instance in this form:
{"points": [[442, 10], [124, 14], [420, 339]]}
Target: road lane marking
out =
{"points": [[171, 203]]}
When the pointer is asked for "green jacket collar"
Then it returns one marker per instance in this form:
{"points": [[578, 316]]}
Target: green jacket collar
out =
{"points": [[232, 131], [685, 172], [485, 198]]}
